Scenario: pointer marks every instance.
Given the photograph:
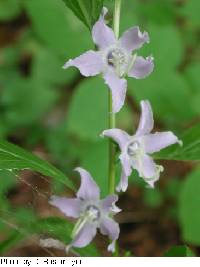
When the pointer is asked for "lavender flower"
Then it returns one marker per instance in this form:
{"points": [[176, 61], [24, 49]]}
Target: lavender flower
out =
{"points": [[92, 213], [135, 149], [114, 59]]}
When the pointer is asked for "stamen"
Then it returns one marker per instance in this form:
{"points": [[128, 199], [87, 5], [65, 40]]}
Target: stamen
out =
{"points": [[91, 214], [116, 57]]}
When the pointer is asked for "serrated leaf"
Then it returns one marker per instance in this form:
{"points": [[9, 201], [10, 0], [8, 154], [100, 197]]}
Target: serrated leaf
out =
{"points": [[190, 149], [189, 215], [179, 251], [14, 157], [87, 11]]}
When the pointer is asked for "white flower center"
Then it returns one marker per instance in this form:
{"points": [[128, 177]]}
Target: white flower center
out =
{"points": [[118, 59], [134, 148], [92, 212]]}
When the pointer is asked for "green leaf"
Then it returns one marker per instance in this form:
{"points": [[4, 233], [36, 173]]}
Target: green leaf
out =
{"points": [[166, 46], [46, 67], [12, 240], [179, 251], [9, 9], [153, 198], [156, 11], [14, 157], [28, 99], [190, 149], [191, 74], [57, 28], [87, 11], [94, 158], [190, 10], [189, 215], [164, 91], [61, 229], [87, 115]]}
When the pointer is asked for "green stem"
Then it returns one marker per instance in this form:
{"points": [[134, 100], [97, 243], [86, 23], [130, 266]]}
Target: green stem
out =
{"points": [[116, 19], [111, 119]]}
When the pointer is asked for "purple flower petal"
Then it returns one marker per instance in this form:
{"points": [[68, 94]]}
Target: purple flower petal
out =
{"points": [[89, 63], [85, 236], [146, 119], [133, 39], [141, 67], [119, 136], [111, 228], [157, 141], [102, 35], [123, 183], [125, 173], [108, 204], [69, 206], [88, 189], [152, 181], [118, 88], [145, 166]]}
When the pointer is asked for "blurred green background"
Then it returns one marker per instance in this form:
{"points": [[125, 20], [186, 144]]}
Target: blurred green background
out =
{"points": [[59, 115]]}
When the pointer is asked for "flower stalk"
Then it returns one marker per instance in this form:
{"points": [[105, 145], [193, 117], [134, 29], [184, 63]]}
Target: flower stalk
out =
{"points": [[112, 118]]}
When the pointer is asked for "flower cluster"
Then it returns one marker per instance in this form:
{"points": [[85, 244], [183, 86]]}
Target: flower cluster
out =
{"points": [[115, 59]]}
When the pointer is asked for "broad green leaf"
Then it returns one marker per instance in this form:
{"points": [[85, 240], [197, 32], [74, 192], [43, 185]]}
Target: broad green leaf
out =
{"points": [[191, 74], [28, 99], [165, 46], [58, 28], [14, 157], [179, 251], [87, 115], [189, 215], [47, 68], [190, 10], [128, 17], [153, 198], [9, 9], [190, 149], [165, 87], [156, 11], [94, 157], [167, 93], [87, 11]]}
